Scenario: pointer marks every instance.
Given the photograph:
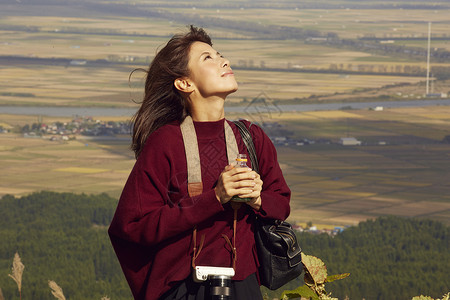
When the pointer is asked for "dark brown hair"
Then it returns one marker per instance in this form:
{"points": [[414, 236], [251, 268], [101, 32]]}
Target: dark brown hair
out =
{"points": [[162, 102]]}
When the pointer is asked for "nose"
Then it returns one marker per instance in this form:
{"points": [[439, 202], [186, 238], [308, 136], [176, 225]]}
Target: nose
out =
{"points": [[225, 63]]}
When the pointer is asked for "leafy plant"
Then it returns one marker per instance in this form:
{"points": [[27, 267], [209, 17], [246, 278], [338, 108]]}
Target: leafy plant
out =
{"points": [[315, 279], [421, 297]]}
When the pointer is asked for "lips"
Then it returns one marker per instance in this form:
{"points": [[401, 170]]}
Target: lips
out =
{"points": [[228, 73]]}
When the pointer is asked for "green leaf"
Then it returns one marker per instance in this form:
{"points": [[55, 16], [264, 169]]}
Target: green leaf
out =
{"points": [[315, 267], [332, 278], [302, 291]]}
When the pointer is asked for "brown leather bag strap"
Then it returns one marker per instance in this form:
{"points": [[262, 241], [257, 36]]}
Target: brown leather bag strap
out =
{"points": [[195, 254], [235, 206]]}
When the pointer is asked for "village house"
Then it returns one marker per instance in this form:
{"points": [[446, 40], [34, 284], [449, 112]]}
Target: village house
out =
{"points": [[349, 141]]}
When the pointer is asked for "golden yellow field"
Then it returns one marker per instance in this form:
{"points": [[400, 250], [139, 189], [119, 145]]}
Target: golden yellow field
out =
{"points": [[30, 164]]}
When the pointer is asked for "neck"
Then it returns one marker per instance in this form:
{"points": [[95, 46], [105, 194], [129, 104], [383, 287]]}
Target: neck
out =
{"points": [[207, 109]]}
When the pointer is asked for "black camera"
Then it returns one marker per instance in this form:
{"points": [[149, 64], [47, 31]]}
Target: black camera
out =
{"points": [[220, 287]]}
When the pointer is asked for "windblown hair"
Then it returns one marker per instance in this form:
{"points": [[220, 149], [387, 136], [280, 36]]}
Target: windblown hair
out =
{"points": [[162, 102]]}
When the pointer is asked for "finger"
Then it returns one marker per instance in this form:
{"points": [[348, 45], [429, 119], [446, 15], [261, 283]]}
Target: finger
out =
{"points": [[253, 194], [228, 168], [237, 188], [243, 184], [241, 170], [246, 193], [259, 182], [256, 190], [243, 176]]}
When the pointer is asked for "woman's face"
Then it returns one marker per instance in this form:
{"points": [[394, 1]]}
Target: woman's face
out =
{"points": [[210, 72]]}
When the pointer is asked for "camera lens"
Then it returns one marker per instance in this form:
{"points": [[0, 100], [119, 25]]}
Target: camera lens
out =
{"points": [[220, 287]]}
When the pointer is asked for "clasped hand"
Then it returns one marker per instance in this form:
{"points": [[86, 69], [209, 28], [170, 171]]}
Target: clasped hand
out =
{"points": [[242, 182]]}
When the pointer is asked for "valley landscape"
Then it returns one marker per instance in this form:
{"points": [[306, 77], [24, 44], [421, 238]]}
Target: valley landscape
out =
{"points": [[54, 55], [375, 141]]}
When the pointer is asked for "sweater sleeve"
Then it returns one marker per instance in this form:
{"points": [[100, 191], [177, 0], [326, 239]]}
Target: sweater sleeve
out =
{"points": [[275, 195], [154, 205]]}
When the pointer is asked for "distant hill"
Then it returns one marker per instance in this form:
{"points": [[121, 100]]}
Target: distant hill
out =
{"points": [[60, 237], [63, 237], [387, 258]]}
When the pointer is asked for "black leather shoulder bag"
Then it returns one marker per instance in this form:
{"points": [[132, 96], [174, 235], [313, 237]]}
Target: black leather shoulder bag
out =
{"points": [[279, 254]]}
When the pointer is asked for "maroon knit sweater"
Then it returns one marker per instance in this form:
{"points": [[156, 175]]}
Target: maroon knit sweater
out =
{"points": [[151, 231]]}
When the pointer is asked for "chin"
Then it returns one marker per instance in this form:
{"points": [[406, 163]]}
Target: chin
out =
{"points": [[232, 91]]}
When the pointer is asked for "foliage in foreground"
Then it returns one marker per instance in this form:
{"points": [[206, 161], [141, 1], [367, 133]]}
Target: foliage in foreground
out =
{"points": [[314, 289], [421, 297], [315, 278]]}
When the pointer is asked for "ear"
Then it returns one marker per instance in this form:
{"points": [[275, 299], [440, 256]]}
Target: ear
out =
{"points": [[184, 85]]}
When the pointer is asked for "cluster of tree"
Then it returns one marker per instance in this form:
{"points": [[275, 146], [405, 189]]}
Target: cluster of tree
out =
{"points": [[410, 37], [9, 94], [79, 126], [60, 237], [63, 237], [380, 69], [440, 72], [387, 258]]}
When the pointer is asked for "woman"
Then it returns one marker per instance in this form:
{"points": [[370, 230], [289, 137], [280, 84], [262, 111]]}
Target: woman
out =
{"points": [[152, 230]]}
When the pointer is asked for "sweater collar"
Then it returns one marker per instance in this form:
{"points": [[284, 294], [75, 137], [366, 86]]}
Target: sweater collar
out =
{"points": [[209, 130]]}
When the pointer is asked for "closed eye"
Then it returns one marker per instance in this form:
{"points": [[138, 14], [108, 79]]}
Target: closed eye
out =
{"points": [[207, 55]]}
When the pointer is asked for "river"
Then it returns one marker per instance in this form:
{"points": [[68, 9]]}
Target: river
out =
{"points": [[256, 108]]}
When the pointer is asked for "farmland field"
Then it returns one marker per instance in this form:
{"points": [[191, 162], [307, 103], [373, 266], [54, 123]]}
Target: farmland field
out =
{"points": [[76, 55], [331, 184], [348, 23], [102, 49]]}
